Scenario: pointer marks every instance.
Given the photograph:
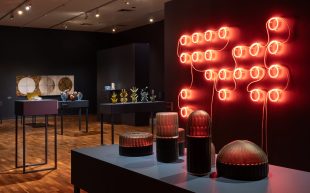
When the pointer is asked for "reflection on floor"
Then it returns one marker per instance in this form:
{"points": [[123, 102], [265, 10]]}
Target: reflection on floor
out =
{"points": [[12, 180]]}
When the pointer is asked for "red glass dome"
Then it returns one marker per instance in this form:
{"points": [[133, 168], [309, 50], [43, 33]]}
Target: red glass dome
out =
{"points": [[198, 124], [242, 160]]}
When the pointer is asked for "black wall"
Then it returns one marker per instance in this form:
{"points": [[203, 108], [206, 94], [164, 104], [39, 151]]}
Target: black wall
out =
{"points": [[153, 34], [25, 51], [47, 52], [288, 125]]}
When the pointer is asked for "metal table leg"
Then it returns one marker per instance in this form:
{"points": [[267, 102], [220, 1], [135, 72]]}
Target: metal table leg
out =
{"points": [[46, 139], [80, 118], [101, 128], [61, 121], [86, 118], [112, 128], [24, 145], [24, 165], [16, 141], [55, 140]]}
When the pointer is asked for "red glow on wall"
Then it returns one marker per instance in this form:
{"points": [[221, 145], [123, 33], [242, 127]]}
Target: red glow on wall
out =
{"points": [[274, 23], [274, 95], [185, 40], [197, 37], [224, 74], [223, 33], [239, 74], [224, 94], [274, 47], [257, 95], [257, 72], [185, 58], [209, 55], [209, 35], [185, 93], [239, 51], [255, 49], [210, 74], [197, 56], [185, 111]]}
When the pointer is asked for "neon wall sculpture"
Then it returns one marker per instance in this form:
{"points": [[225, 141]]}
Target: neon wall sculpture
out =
{"points": [[253, 64]]}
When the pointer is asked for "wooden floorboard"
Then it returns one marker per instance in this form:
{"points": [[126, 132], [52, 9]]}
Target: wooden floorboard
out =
{"points": [[12, 179]]}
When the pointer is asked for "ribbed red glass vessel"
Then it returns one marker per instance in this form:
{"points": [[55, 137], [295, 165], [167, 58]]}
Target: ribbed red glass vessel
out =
{"points": [[199, 143], [167, 149], [199, 123], [135, 144], [167, 124], [135, 139]]}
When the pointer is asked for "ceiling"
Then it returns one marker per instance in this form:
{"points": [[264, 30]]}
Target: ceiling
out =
{"points": [[79, 15]]}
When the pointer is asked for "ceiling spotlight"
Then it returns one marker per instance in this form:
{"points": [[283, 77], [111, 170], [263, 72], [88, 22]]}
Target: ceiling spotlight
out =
{"points": [[20, 12], [97, 14], [114, 30], [151, 20], [28, 7], [127, 2]]}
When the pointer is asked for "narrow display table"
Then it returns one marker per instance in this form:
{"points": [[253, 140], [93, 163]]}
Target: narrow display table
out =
{"points": [[25, 108], [102, 169], [78, 104], [120, 108], [0, 112]]}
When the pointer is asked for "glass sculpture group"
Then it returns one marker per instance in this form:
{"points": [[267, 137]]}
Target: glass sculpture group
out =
{"points": [[240, 159], [144, 95], [67, 96]]}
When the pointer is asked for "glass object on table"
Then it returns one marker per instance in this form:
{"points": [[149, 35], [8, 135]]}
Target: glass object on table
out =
{"points": [[79, 96], [114, 97], [123, 96], [134, 95]]}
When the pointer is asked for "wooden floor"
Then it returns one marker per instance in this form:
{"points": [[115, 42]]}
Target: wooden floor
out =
{"points": [[12, 180]]}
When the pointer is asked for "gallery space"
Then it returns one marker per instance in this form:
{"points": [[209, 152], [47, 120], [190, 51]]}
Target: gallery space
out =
{"points": [[154, 95]]}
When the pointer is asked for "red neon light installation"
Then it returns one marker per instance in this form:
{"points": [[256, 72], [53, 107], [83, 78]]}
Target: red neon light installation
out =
{"points": [[274, 23], [209, 55], [185, 58], [239, 51], [185, 93], [274, 95], [275, 71], [257, 95], [197, 56], [223, 33], [224, 74], [239, 73], [274, 47], [209, 35], [185, 40], [197, 37], [255, 49], [210, 74], [224, 94], [257, 72], [185, 111]]}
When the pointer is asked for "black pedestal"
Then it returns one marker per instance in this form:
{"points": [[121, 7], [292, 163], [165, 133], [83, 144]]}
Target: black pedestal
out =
{"points": [[136, 151], [181, 149], [198, 155], [167, 149]]}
